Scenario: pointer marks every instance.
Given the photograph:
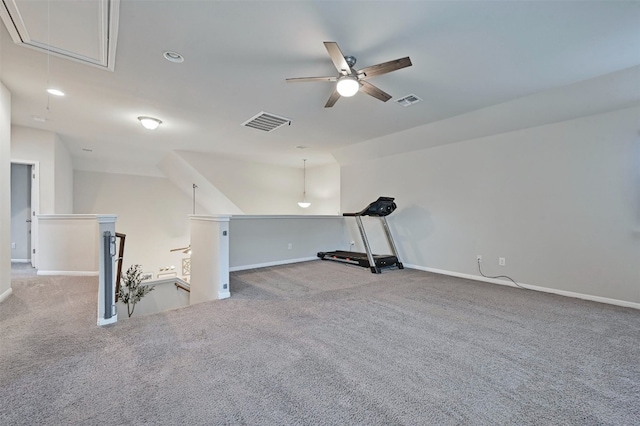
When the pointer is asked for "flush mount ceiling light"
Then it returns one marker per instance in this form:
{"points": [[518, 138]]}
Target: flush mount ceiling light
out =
{"points": [[149, 122], [55, 92], [173, 57], [348, 86], [304, 203]]}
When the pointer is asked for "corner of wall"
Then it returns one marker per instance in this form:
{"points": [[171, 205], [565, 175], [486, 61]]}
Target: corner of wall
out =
{"points": [[5, 192]]}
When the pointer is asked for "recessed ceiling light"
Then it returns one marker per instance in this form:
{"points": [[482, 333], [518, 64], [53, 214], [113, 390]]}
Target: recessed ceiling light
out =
{"points": [[55, 92], [173, 57], [38, 118], [149, 122]]}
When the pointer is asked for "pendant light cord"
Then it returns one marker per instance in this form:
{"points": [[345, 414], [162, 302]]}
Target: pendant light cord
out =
{"points": [[304, 203], [194, 198], [304, 179]]}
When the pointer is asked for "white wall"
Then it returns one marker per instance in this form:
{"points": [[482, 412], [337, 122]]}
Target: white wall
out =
{"points": [[20, 211], [68, 245], [210, 200], [560, 202], [323, 190], [63, 175], [39, 145], [164, 297], [5, 192], [266, 189], [151, 211], [257, 241]]}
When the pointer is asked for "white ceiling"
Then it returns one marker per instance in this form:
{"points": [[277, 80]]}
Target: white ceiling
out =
{"points": [[466, 56]]}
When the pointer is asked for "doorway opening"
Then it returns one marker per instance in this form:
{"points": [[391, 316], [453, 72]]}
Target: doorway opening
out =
{"points": [[25, 198]]}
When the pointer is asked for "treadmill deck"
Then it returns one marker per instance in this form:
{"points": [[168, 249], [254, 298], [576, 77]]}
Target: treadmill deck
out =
{"points": [[360, 259]]}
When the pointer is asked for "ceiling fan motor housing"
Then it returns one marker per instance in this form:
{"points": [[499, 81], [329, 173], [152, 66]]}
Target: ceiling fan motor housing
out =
{"points": [[351, 60]]}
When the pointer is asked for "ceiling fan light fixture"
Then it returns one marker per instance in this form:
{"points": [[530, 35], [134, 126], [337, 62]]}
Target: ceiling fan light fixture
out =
{"points": [[149, 122], [347, 86]]}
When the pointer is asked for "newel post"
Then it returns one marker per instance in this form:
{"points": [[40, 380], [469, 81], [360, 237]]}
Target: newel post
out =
{"points": [[209, 258], [107, 313]]}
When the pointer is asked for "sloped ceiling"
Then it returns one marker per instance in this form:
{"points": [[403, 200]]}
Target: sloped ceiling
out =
{"points": [[467, 56]]}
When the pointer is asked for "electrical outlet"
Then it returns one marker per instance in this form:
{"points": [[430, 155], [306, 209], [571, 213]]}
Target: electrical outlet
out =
{"points": [[501, 261], [290, 246], [479, 258], [13, 245]]}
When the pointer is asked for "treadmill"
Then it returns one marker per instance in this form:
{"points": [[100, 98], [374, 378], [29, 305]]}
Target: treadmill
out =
{"points": [[381, 208]]}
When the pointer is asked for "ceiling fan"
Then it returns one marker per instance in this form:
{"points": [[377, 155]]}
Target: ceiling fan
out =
{"points": [[350, 81]]}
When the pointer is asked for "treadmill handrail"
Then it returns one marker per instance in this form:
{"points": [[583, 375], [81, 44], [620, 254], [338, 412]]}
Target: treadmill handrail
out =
{"points": [[371, 211]]}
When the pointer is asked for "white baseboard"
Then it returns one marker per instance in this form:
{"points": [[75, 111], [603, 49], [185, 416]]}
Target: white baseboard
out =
{"points": [[590, 297], [113, 319], [5, 295], [20, 260], [70, 273], [276, 263]]}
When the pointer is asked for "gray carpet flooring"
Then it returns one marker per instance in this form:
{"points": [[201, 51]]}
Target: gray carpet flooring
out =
{"points": [[320, 343], [22, 270]]}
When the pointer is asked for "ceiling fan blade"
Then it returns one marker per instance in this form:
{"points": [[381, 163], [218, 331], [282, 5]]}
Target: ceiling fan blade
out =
{"points": [[372, 90], [332, 99], [385, 67], [337, 57], [306, 79]]}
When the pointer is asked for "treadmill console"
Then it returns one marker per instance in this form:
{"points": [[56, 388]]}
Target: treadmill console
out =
{"points": [[383, 206]]}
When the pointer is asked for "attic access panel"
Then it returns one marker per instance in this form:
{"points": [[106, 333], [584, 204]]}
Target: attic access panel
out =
{"points": [[82, 31]]}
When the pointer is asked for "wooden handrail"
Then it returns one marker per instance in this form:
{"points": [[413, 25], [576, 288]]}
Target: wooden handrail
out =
{"points": [[183, 287], [119, 260]]}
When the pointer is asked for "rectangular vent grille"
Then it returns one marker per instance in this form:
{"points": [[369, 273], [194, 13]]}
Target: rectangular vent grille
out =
{"points": [[266, 121], [409, 100]]}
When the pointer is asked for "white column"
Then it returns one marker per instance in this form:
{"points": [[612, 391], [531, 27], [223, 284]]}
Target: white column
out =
{"points": [[209, 258], [5, 192], [107, 223]]}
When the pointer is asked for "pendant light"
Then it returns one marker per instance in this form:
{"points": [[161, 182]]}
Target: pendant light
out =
{"points": [[304, 203]]}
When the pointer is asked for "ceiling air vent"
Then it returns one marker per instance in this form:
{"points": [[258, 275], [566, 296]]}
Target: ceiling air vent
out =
{"points": [[408, 100], [266, 121]]}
